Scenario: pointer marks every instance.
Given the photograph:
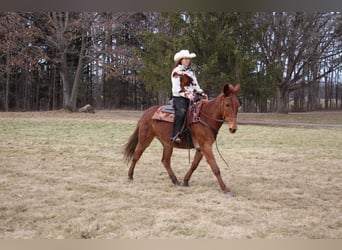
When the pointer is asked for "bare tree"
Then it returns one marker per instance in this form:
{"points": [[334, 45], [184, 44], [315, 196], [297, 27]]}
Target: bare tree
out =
{"points": [[18, 42], [297, 49], [61, 32]]}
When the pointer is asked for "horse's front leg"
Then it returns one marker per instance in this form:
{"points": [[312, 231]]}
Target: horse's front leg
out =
{"points": [[208, 153], [166, 160], [198, 157]]}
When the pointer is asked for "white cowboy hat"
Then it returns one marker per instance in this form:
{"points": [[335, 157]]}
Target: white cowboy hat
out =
{"points": [[183, 54]]}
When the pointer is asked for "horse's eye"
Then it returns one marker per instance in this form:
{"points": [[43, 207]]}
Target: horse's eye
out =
{"points": [[227, 105]]}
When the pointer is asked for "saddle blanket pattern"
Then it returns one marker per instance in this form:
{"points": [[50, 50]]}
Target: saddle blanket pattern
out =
{"points": [[165, 113]]}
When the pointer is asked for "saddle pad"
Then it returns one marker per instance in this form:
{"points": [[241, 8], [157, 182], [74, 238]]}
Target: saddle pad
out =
{"points": [[168, 108], [164, 113]]}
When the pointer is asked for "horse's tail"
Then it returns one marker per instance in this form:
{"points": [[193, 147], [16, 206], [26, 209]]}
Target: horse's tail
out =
{"points": [[131, 145]]}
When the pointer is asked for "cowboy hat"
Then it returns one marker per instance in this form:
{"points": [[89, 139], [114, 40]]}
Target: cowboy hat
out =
{"points": [[183, 54]]}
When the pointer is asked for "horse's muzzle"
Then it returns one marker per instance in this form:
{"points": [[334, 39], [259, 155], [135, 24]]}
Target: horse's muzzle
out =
{"points": [[232, 130], [232, 124]]}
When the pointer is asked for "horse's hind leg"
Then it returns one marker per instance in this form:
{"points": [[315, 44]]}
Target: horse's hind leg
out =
{"points": [[166, 160], [137, 154], [198, 157], [139, 150]]}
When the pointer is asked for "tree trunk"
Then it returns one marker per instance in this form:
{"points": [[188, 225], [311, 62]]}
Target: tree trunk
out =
{"points": [[7, 91], [78, 76], [8, 74], [282, 100], [326, 93], [340, 101], [37, 100], [331, 92], [296, 100], [336, 96], [301, 92], [65, 80], [54, 89]]}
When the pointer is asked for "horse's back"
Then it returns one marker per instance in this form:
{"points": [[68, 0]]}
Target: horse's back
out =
{"points": [[145, 121], [149, 112]]}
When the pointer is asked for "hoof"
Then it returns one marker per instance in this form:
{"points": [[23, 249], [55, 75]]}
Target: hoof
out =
{"points": [[185, 184], [230, 194], [176, 183]]}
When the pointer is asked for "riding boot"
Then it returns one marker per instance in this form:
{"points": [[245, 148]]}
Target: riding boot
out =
{"points": [[178, 122], [180, 105]]}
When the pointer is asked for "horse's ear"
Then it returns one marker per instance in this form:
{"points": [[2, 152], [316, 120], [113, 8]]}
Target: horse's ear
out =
{"points": [[237, 89], [226, 90]]}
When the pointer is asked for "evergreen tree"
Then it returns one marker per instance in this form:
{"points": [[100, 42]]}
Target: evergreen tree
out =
{"points": [[221, 42]]}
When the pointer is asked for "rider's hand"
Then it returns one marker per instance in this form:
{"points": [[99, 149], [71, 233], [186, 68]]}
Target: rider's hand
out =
{"points": [[191, 97], [205, 96]]}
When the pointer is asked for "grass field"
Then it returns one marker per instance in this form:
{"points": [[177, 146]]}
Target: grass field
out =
{"points": [[62, 176]]}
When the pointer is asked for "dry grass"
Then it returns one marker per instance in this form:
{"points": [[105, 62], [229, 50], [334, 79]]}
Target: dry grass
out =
{"points": [[307, 119], [62, 176]]}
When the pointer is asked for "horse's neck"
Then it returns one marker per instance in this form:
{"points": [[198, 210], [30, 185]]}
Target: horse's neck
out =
{"points": [[213, 109]]}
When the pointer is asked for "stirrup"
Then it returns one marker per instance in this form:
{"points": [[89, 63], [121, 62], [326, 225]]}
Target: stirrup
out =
{"points": [[176, 139]]}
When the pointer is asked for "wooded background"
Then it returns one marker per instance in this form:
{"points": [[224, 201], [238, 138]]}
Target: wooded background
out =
{"points": [[285, 61]]}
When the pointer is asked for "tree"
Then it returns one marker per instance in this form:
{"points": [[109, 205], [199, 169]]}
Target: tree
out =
{"points": [[20, 52], [294, 48], [61, 31], [123, 60], [218, 39], [114, 40]]}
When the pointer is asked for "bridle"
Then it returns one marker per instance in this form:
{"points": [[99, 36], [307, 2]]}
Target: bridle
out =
{"points": [[215, 131]]}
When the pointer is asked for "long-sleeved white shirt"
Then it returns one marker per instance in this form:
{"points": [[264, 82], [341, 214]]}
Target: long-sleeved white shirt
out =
{"points": [[176, 86]]}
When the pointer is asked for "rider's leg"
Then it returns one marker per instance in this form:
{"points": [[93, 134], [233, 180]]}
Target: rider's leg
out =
{"points": [[181, 105]]}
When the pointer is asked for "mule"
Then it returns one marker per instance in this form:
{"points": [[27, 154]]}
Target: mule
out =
{"points": [[213, 113]]}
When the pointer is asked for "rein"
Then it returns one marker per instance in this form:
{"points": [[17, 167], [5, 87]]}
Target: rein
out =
{"points": [[214, 130], [198, 118], [213, 119]]}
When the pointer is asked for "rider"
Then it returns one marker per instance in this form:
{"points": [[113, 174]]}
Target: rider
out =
{"points": [[182, 97]]}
